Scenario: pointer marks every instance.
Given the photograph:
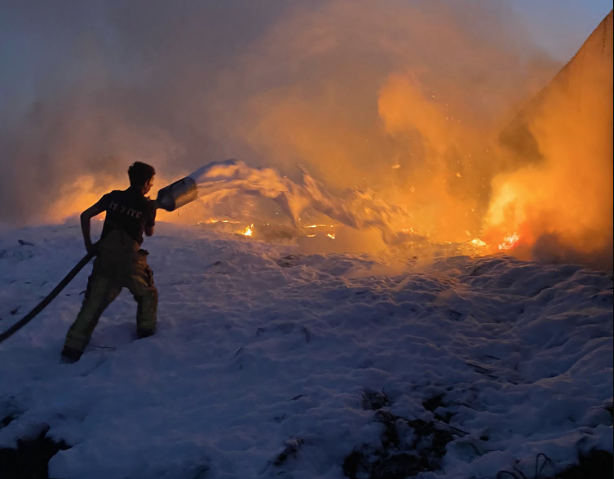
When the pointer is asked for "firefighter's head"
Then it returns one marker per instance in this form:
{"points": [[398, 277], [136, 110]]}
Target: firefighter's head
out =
{"points": [[141, 177]]}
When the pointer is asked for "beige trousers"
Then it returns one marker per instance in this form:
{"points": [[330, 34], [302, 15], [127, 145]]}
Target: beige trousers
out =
{"points": [[120, 264]]}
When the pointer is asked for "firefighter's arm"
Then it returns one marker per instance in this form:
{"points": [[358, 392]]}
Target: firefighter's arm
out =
{"points": [[86, 228], [151, 223]]}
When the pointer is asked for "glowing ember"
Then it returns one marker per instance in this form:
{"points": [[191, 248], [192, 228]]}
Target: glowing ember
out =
{"points": [[213, 221], [332, 236], [319, 226], [249, 231], [478, 242], [511, 241]]}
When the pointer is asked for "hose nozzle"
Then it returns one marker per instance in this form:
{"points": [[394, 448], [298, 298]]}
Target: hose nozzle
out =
{"points": [[178, 194]]}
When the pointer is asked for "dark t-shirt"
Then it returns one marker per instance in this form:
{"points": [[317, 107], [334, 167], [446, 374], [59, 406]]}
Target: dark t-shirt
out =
{"points": [[130, 211]]}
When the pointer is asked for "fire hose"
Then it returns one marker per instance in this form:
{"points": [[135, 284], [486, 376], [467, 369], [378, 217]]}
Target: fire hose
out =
{"points": [[45, 302], [170, 198]]}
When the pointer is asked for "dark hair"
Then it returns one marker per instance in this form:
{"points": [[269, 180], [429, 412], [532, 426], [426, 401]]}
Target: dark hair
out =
{"points": [[140, 173]]}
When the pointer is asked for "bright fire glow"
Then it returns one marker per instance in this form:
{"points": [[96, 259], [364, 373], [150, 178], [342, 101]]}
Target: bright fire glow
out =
{"points": [[213, 221], [510, 242], [249, 231], [332, 236]]}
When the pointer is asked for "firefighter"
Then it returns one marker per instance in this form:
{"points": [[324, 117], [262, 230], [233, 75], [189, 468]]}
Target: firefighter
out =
{"points": [[120, 261]]}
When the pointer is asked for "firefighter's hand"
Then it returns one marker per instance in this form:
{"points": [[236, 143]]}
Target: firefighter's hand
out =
{"points": [[92, 248]]}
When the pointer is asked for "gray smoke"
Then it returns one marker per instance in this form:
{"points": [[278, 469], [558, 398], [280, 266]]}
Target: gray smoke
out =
{"points": [[92, 86]]}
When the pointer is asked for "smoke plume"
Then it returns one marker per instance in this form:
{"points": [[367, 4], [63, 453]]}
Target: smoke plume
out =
{"points": [[398, 99], [562, 204]]}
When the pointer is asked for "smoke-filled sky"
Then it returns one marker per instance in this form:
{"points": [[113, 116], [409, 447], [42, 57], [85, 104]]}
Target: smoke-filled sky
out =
{"points": [[559, 25], [334, 86]]}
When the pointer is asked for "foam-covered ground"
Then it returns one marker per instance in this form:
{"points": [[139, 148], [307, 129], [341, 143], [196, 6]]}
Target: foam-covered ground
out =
{"points": [[272, 364]]}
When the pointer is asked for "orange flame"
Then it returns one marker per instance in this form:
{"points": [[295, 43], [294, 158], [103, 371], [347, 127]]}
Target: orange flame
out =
{"points": [[249, 231], [510, 242]]}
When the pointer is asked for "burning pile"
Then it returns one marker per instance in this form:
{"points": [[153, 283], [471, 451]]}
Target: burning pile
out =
{"points": [[233, 181], [561, 202]]}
